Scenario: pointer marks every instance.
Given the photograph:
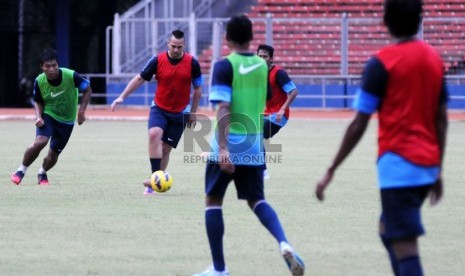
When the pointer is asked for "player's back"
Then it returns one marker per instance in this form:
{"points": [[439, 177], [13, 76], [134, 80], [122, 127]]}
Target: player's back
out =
{"points": [[415, 74], [249, 86], [408, 110]]}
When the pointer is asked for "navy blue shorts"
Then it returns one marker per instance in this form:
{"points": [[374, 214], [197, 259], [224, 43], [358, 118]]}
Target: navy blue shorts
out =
{"points": [[247, 179], [173, 124], [270, 129], [401, 211], [58, 132]]}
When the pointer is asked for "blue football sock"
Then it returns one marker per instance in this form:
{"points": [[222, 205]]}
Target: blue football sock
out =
{"points": [[155, 163], [264, 158], [215, 232], [270, 220], [410, 266], [388, 245]]}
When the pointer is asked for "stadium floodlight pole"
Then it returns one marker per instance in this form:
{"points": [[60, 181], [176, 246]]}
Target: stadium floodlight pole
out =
{"points": [[116, 58], [420, 31], [154, 36], [192, 35], [269, 29], [217, 38], [20, 37], [344, 44], [108, 32]]}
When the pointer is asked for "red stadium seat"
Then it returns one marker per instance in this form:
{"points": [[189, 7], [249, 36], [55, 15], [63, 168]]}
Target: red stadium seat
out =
{"points": [[315, 48]]}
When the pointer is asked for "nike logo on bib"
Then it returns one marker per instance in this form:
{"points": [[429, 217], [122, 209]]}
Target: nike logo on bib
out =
{"points": [[56, 94], [245, 70]]}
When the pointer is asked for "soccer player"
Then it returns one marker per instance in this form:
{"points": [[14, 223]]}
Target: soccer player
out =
{"points": [[239, 89], [56, 92], [175, 72], [405, 84], [283, 93]]}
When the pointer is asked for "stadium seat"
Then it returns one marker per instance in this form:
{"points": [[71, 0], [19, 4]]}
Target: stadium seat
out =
{"points": [[309, 47]]}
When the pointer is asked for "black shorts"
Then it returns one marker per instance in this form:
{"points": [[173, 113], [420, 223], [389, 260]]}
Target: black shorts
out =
{"points": [[173, 124], [401, 211], [247, 179], [58, 132], [270, 129]]}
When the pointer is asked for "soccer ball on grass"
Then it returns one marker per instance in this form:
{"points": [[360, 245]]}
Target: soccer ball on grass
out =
{"points": [[161, 181]]}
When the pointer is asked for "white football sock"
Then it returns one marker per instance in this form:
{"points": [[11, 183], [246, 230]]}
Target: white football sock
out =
{"points": [[22, 168]]}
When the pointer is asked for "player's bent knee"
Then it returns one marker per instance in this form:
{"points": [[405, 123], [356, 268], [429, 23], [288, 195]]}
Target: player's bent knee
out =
{"points": [[381, 229], [155, 134], [40, 142], [404, 248]]}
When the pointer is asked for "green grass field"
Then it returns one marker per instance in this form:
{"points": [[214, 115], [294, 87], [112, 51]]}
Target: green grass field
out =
{"points": [[93, 219]]}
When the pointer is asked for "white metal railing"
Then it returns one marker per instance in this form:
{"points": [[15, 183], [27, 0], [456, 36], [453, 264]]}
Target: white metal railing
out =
{"points": [[144, 28], [131, 47]]}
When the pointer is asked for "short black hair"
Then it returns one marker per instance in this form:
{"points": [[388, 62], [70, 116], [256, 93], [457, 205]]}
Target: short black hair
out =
{"points": [[403, 17], [47, 55], [267, 48], [178, 34], [239, 29]]}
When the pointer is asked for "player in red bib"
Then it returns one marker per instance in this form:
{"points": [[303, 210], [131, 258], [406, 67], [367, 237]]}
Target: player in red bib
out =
{"points": [[283, 93], [404, 83], [175, 72]]}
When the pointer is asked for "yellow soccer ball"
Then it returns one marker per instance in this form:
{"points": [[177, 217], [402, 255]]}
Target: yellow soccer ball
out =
{"points": [[161, 181]]}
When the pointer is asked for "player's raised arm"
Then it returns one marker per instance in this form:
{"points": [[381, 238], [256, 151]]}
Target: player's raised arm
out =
{"points": [[135, 83]]}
